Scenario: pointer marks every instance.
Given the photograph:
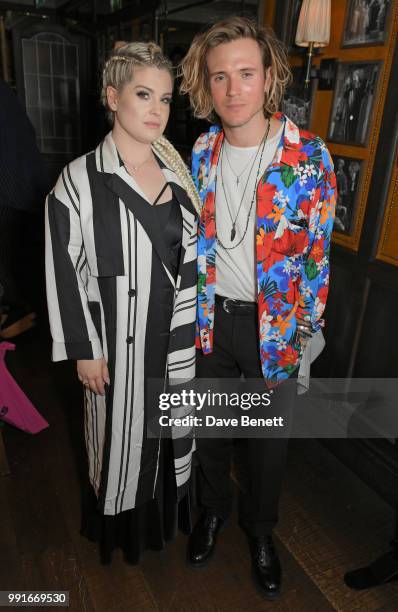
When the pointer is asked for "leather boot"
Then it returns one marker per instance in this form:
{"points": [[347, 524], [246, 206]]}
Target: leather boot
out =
{"points": [[266, 569], [203, 539]]}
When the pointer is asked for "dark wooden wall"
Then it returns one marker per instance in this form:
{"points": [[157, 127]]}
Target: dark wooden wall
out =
{"points": [[361, 314], [362, 330]]}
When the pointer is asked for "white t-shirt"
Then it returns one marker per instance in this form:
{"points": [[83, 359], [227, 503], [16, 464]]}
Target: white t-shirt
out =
{"points": [[236, 269]]}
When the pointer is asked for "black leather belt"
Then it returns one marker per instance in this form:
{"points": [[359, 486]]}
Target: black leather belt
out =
{"points": [[232, 306]]}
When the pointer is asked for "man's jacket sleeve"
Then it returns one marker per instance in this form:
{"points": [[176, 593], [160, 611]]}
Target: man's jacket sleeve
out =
{"points": [[314, 283]]}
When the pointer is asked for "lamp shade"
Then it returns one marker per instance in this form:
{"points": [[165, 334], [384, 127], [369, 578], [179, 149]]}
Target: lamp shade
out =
{"points": [[314, 23]]}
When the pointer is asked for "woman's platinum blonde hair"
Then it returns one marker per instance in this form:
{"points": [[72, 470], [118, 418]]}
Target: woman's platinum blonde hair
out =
{"points": [[194, 73], [119, 68]]}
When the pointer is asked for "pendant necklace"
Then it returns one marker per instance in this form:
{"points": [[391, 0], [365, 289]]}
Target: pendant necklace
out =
{"points": [[233, 221], [237, 176]]}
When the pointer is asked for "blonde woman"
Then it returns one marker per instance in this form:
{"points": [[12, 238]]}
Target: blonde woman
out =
{"points": [[121, 228]]}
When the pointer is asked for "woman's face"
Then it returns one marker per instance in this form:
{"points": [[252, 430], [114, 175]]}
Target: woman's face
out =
{"points": [[142, 107]]}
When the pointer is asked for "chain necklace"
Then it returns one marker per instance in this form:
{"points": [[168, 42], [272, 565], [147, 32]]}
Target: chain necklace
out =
{"points": [[136, 168], [237, 176], [233, 229]]}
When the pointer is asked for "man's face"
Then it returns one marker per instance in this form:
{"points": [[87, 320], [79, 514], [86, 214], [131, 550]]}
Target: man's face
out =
{"points": [[356, 79], [238, 82]]}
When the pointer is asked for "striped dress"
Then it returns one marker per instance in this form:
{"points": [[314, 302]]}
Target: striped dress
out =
{"points": [[104, 251]]}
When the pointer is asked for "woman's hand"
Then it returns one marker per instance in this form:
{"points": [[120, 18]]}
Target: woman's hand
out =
{"points": [[93, 373]]}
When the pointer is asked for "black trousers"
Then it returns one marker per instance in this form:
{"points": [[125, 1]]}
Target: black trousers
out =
{"points": [[236, 352]]}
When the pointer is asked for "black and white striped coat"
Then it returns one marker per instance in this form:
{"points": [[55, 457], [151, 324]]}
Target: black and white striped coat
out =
{"points": [[101, 238]]}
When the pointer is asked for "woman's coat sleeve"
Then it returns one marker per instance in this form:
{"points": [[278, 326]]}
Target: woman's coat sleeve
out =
{"points": [[72, 329]]}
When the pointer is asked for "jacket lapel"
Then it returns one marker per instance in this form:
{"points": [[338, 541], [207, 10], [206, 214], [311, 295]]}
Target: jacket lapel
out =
{"points": [[144, 212], [176, 186], [120, 182], [287, 157]]}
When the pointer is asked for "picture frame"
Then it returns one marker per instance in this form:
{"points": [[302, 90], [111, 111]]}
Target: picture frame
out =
{"points": [[353, 102], [348, 171], [297, 103], [387, 248], [366, 22]]}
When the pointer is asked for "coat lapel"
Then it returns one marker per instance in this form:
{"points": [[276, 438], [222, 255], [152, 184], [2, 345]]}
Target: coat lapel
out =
{"points": [[176, 186], [120, 182], [189, 227], [144, 212]]}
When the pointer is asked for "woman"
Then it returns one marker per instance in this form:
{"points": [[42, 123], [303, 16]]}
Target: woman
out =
{"points": [[121, 247]]}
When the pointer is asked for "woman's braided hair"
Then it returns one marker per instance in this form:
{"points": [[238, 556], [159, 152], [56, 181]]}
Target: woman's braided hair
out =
{"points": [[170, 156], [119, 68]]}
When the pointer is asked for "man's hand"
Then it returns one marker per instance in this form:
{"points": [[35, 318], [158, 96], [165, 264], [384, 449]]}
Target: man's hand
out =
{"points": [[93, 373], [304, 330]]}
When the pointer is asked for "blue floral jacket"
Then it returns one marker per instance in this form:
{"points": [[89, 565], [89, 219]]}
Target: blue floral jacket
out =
{"points": [[296, 200]]}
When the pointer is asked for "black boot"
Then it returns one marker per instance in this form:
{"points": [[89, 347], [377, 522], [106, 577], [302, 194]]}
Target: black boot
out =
{"points": [[266, 569], [203, 539], [383, 570]]}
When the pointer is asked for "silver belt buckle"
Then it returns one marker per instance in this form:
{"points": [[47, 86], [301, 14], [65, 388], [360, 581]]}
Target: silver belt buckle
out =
{"points": [[225, 305]]}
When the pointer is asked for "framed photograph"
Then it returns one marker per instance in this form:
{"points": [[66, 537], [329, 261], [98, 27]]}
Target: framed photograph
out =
{"points": [[327, 74], [298, 101], [350, 119], [348, 172], [366, 22]]}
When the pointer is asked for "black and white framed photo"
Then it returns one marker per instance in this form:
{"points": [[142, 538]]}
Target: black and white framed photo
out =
{"points": [[366, 22], [356, 85], [297, 102], [348, 172]]}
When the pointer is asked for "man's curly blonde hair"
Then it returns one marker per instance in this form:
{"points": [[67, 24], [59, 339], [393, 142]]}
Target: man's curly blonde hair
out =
{"points": [[194, 72]]}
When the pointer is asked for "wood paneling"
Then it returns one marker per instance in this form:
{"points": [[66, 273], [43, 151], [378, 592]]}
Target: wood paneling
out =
{"points": [[379, 336], [324, 99], [361, 332], [388, 245]]}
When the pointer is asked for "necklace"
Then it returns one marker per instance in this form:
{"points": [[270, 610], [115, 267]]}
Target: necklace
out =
{"points": [[135, 167], [250, 210], [237, 176], [233, 221]]}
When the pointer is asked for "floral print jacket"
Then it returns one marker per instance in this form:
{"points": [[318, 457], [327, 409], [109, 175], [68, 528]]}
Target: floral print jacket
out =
{"points": [[296, 200]]}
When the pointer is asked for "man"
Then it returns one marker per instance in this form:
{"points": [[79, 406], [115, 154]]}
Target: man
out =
{"points": [[268, 193]]}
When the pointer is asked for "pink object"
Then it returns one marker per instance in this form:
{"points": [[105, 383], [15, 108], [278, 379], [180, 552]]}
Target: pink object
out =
{"points": [[15, 408]]}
